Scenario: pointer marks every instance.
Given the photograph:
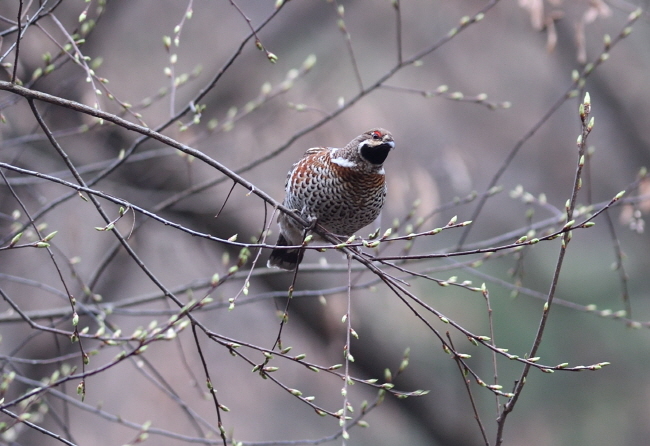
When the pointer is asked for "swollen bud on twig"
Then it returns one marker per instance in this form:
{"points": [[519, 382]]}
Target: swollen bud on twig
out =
{"points": [[635, 14], [607, 40], [585, 107], [15, 239], [309, 63], [49, 237], [590, 125], [575, 75]]}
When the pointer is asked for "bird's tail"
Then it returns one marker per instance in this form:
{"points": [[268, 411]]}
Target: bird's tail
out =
{"points": [[285, 258]]}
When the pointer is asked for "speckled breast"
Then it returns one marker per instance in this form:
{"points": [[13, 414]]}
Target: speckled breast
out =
{"points": [[342, 199]]}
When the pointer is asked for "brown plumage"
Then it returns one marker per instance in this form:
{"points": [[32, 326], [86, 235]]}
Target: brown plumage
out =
{"points": [[342, 190]]}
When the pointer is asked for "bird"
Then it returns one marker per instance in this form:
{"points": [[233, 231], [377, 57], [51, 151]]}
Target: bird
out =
{"points": [[339, 189]]}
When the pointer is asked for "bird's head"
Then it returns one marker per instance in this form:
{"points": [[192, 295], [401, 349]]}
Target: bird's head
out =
{"points": [[374, 145]]}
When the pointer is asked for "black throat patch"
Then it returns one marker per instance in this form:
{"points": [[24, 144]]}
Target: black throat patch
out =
{"points": [[375, 155]]}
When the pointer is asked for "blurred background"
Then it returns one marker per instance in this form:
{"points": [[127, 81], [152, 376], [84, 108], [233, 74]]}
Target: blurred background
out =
{"points": [[512, 67]]}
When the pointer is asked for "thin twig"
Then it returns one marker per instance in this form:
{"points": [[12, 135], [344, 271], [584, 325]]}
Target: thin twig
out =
{"points": [[569, 93], [210, 385], [18, 39], [585, 108], [348, 43], [398, 29], [347, 355], [36, 427], [466, 382]]}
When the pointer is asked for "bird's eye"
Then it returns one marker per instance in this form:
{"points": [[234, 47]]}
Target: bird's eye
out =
{"points": [[376, 135]]}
